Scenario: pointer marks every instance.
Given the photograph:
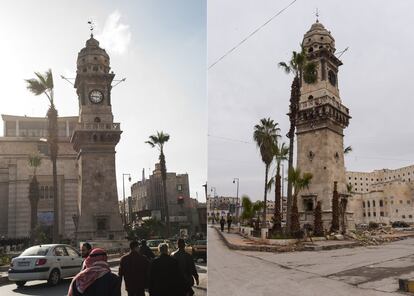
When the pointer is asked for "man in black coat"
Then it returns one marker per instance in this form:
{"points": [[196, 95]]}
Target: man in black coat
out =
{"points": [[187, 266], [133, 267], [166, 278], [145, 250]]}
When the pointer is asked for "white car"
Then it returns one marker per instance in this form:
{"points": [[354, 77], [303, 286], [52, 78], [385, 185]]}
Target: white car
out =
{"points": [[45, 262]]}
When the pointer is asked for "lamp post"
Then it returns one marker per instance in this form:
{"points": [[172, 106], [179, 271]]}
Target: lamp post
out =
{"points": [[123, 190], [237, 180]]}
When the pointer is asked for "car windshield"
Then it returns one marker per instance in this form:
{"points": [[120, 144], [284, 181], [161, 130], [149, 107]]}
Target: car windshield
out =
{"points": [[201, 242], [36, 251], [154, 243]]}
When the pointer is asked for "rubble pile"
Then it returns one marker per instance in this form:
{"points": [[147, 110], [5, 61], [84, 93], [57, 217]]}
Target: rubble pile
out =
{"points": [[373, 237]]}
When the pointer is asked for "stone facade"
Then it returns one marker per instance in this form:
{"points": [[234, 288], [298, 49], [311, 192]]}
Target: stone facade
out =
{"points": [[320, 124], [94, 139], [382, 196], [23, 136]]}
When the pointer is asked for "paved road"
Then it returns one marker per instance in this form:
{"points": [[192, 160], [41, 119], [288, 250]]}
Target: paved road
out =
{"points": [[367, 271], [42, 289]]}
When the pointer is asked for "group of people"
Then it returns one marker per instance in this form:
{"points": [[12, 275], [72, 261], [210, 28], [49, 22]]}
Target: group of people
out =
{"points": [[223, 222], [165, 275]]}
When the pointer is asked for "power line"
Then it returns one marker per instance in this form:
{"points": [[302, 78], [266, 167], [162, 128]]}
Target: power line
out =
{"points": [[251, 34]]}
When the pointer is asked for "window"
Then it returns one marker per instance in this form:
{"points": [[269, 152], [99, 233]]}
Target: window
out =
{"points": [[401, 201], [408, 201], [368, 203], [392, 202], [60, 251], [364, 214], [403, 216], [369, 214], [381, 203], [396, 210], [179, 187], [373, 203], [375, 214], [382, 214], [363, 204], [72, 252], [410, 216], [101, 224]]}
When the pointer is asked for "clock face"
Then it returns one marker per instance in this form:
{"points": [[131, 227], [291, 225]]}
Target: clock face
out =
{"points": [[96, 96]]}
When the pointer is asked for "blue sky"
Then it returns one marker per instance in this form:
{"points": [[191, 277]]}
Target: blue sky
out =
{"points": [[159, 46]]}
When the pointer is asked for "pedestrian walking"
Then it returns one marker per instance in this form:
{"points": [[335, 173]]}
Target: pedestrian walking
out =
{"points": [[145, 250], [85, 251], [96, 279], [187, 267], [222, 222], [165, 275], [133, 267], [229, 221]]}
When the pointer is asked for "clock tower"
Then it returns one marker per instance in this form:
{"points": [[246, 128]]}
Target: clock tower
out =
{"points": [[95, 138], [320, 123]]}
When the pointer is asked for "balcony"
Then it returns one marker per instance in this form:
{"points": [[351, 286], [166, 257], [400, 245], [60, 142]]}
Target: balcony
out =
{"points": [[322, 101], [116, 126]]}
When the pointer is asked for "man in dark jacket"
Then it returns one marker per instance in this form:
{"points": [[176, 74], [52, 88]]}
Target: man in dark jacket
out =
{"points": [[165, 275], [133, 267], [222, 222], [187, 266], [145, 250], [96, 279]]}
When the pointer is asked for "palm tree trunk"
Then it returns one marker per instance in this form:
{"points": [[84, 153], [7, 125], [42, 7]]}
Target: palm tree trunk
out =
{"points": [[294, 105], [295, 225], [164, 189], [53, 146], [335, 209], [34, 200], [277, 216], [265, 197]]}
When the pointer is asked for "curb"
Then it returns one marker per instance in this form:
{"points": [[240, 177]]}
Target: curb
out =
{"points": [[277, 248], [4, 280]]}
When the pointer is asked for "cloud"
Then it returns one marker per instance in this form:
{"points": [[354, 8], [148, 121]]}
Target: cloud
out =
{"points": [[115, 36]]}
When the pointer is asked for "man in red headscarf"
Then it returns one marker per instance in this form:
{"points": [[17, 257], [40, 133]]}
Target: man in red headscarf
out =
{"points": [[96, 279]]}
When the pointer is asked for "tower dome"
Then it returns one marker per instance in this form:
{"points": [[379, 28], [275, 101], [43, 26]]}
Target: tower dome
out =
{"points": [[92, 59], [318, 38]]}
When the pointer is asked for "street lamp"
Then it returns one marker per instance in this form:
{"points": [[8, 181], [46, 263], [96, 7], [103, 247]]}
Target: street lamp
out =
{"points": [[237, 180], [123, 190]]}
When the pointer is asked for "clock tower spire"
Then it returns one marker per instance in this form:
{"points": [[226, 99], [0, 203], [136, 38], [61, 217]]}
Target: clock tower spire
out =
{"points": [[95, 138]]}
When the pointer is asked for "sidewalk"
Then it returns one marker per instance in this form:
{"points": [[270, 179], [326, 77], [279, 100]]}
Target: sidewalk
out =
{"points": [[235, 241]]}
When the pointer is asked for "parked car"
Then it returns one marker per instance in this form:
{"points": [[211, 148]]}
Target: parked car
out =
{"points": [[200, 250], [45, 262]]}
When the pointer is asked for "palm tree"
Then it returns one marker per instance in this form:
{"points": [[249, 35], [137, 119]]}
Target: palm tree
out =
{"points": [[299, 182], [303, 70], [280, 153], [265, 135], [318, 223], [158, 141], [43, 84], [34, 162]]}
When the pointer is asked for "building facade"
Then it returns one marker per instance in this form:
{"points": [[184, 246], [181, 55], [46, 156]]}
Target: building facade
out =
{"points": [[24, 136], [382, 196], [147, 200], [218, 206]]}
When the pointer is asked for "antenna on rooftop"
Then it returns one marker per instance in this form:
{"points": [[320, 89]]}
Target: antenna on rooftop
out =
{"points": [[317, 15], [340, 53]]}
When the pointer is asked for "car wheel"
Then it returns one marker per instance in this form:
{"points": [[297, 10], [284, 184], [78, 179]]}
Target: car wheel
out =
{"points": [[20, 283], [54, 277]]}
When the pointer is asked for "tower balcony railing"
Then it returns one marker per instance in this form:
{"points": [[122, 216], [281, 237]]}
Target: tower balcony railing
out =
{"points": [[115, 126], [321, 101]]}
